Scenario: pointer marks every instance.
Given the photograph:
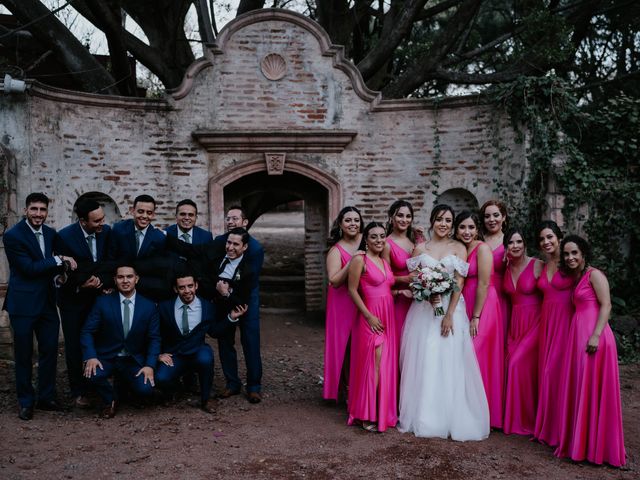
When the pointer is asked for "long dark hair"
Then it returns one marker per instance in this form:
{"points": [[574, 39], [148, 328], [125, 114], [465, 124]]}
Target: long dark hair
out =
{"points": [[584, 247], [393, 209], [461, 217], [370, 226], [335, 234], [551, 225], [437, 211], [510, 233]]}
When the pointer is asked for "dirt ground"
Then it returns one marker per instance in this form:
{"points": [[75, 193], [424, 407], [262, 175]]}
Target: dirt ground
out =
{"points": [[292, 434]]}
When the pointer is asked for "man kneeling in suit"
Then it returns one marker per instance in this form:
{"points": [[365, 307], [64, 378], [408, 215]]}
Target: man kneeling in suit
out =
{"points": [[121, 337], [184, 322]]}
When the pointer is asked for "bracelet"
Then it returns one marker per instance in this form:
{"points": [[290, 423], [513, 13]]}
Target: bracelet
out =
{"points": [[475, 316]]}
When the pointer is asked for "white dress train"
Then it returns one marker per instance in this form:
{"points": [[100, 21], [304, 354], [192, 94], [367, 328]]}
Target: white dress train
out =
{"points": [[441, 389]]}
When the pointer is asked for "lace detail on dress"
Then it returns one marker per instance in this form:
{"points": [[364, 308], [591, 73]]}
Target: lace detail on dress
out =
{"points": [[451, 263]]}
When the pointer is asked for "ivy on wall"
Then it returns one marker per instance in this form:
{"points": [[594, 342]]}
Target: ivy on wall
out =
{"points": [[599, 176]]}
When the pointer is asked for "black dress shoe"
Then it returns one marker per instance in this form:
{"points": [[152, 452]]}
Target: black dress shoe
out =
{"points": [[49, 406], [109, 411], [26, 413], [208, 406]]}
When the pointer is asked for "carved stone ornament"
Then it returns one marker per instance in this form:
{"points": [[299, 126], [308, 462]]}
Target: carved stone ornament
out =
{"points": [[275, 163], [273, 66]]}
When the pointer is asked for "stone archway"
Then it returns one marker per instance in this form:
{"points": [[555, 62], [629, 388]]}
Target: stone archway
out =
{"points": [[111, 210], [258, 191]]}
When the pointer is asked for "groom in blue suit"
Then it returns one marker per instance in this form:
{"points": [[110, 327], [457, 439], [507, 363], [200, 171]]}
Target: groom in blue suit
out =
{"points": [[86, 241], [185, 228], [121, 337], [30, 302]]}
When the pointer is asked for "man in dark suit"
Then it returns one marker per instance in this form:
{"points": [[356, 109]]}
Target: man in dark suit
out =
{"points": [[185, 228], [30, 302], [121, 337], [229, 280], [184, 322], [250, 323], [138, 242], [86, 241]]}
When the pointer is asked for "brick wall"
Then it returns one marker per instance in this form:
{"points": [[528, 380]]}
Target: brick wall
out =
{"points": [[68, 144]]}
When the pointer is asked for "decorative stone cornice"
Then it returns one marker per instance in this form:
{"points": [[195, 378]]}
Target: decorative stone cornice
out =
{"points": [[37, 89], [263, 141]]}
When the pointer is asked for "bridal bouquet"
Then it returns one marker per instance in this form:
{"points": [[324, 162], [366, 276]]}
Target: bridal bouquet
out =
{"points": [[433, 281]]}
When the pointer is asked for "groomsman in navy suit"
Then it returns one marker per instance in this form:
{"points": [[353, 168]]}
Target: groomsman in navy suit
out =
{"points": [[185, 228], [184, 322], [137, 238], [121, 337], [30, 302], [138, 242], [250, 323], [86, 241]]}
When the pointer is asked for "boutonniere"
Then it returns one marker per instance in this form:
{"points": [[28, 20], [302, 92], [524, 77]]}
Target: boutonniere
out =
{"points": [[236, 277]]}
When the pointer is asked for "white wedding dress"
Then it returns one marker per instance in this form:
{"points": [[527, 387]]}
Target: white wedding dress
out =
{"points": [[441, 389]]}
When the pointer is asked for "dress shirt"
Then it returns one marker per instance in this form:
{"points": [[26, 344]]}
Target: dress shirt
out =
{"points": [[194, 311], [40, 240], [230, 268], [132, 305], [188, 232], [143, 232], [95, 243]]}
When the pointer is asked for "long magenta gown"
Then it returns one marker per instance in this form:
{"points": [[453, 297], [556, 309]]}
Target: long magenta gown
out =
{"points": [[497, 280], [366, 402], [398, 262], [557, 310], [521, 380], [592, 410], [489, 343], [340, 316]]}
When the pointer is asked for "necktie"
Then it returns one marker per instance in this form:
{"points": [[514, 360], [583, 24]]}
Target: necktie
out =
{"points": [[126, 321], [91, 241], [224, 264], [40, 239], [185, 319], [138, 240], [186, 238]]}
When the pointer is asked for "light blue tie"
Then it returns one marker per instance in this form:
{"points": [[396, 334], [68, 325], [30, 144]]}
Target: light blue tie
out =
{"points": [[126, 320]]}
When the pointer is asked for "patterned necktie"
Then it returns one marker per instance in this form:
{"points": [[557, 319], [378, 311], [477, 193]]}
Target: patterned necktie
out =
{"points": [[126, 321], [185, 319], [40, 239], [91, 241], [186, 238]]}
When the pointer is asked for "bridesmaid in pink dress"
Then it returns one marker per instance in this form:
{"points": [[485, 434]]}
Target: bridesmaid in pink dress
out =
{"points": [[373, 381], [494, 217], [400, 244], [521, 381], [483, 309], [341, 313], [592, 411], [557, 310]]}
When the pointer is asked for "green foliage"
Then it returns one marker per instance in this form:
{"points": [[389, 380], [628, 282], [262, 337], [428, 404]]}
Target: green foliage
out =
{"points": [[599, 174], [628, 347]]}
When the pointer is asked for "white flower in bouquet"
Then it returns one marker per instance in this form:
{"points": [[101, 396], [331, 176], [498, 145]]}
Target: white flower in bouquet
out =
{"points": [[433, 281]]}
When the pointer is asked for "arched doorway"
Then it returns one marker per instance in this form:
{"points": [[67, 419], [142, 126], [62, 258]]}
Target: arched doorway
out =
{"points": [[316, 193], [296, 207], [111, 211]]}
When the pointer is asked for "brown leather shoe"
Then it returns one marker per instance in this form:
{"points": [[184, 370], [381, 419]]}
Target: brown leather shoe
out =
{"points": [[254, 397], [227, 392], [208, 406], [109, 411], [81, 402]]}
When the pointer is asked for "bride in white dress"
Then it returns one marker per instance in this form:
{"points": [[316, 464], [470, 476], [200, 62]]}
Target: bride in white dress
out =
{"points": [[441, 389]]}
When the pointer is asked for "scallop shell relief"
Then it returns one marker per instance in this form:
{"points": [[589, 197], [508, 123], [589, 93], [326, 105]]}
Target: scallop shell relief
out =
{"points": [[273, 66]]}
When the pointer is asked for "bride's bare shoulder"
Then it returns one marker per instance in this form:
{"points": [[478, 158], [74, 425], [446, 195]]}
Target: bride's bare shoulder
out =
{"points": [[419, 249]]}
